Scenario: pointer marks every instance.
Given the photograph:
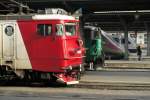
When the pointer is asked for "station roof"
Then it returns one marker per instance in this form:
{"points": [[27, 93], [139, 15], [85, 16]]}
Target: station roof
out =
{"points": [[108, 14]]}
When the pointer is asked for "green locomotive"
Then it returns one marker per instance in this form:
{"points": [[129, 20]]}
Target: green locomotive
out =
{"points": [[93, 43]]}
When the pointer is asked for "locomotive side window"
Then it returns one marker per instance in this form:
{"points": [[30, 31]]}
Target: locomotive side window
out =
{"points": [[97, 34], [59, 29], [9, 30], [70, 29], [44, 29], [87, 34]]}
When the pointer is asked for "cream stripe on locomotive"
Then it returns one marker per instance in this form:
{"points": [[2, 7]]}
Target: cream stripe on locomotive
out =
{"points": [[12, 48]]}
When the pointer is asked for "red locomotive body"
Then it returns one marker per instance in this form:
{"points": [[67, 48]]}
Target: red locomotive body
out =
{"points": [[53, 47]]}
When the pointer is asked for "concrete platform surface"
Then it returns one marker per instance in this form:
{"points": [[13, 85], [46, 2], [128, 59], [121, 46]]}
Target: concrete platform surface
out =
{"points": [[116, 80], [117, 77], [127, 64], [135, 58]]}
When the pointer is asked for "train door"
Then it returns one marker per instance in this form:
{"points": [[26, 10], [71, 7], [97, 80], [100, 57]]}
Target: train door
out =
{"points": [[8, 40]]}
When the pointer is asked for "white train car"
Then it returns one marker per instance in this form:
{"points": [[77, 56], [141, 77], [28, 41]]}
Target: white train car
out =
{"points": [[12, 49]]}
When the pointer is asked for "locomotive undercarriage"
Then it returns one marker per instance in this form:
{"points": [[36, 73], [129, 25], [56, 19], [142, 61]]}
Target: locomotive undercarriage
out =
{"points": [[6, 73], [70, 76]]}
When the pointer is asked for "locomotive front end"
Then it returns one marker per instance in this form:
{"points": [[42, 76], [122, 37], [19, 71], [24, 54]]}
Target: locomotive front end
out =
{"points": [[44, 48], [65, 49], [73, 52]]}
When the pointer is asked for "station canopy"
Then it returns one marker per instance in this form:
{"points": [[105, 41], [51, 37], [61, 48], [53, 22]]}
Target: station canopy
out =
{"points": [[110, 15]]}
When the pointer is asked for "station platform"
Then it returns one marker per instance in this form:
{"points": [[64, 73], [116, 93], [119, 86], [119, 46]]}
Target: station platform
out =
{"points": [[118, 75], [115, 80], [131, 63], [135, 58]]}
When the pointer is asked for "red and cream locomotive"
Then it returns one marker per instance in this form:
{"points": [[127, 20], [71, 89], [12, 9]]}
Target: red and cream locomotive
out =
{"points": [[44, 47]]}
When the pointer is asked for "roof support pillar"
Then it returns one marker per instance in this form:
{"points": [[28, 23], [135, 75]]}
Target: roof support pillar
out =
{"points": [[20, 9], [147, 25], [125, 26], [82, 22], [28, 10]]}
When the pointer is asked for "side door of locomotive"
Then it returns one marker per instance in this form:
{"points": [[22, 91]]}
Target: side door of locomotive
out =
{"points": [[8, 40]]}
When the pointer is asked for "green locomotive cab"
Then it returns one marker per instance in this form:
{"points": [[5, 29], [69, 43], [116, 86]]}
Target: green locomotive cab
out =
{"points": [[93, 43]]}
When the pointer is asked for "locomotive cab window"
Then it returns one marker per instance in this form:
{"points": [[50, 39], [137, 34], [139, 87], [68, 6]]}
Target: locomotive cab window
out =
{"points": [[44, 29], [96, 35], [70, 29], [91, 35], [59, 29], [87, 34]]}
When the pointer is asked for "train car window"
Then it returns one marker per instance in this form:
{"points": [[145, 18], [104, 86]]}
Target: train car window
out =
{"points": [[91, 34], [129, 42], [97, 34], [116, 39], [123, 41], [70, 29], [44, 29], [94, 35], [87, 33], [59, 29]]}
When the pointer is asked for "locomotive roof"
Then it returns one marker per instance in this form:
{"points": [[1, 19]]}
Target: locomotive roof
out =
{"points": [[53, 17]]}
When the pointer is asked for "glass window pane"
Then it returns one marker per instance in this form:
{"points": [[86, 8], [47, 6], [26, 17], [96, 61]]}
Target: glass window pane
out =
{"points": [[48, 29], [70, 29], [87, 33], [96, 34], [59, 29], [44, 29], [40, 29]]}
